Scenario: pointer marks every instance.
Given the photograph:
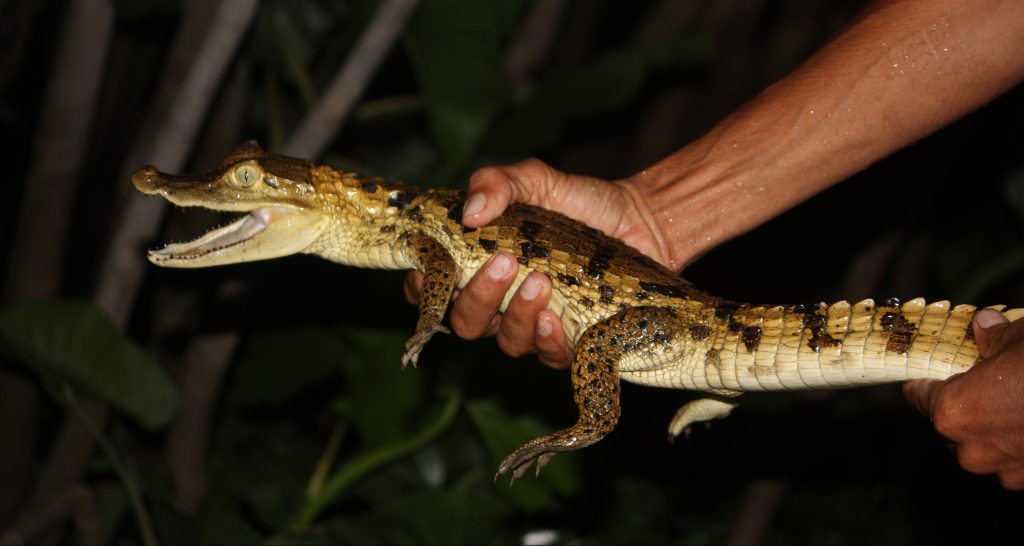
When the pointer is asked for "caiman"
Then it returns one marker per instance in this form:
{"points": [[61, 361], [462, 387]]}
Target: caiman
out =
{"points": [[626, 316]]}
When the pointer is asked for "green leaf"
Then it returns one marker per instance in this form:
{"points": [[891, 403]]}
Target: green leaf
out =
{"points": [[221, 526], [262, 464], [275, 366], [374, 459], [428, 516], [287, 36], [75, 342], [456, 47], [112, 505], [173, 526], [502, 434], [381, 399]]}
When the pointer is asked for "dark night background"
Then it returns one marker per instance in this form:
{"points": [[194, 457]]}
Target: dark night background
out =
{"points": [[264, 402]]}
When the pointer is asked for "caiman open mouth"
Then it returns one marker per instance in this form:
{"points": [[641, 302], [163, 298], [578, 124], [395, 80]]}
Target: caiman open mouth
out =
{"points": [[238, 232]]}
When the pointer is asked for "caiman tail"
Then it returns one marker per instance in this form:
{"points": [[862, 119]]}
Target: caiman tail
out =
{"points": [[819, 346]]}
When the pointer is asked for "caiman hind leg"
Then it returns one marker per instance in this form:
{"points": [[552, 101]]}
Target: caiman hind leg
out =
{"points": [[595, 383], [700, 410], [717, 405], [644, 333], [439, 278]]}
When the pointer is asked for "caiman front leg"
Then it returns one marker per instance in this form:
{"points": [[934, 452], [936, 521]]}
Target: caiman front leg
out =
{"points": [[439, 278], [642, 333]]}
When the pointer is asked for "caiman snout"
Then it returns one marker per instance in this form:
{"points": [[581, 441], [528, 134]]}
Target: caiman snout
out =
{"points": [[146, 179]]}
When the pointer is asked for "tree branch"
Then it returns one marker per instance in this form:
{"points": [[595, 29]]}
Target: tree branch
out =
{"points": [[57, 150], [175, 131], [323, 122], [208, 40]]}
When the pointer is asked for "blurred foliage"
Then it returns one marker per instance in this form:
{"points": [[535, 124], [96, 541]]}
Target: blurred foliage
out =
{"points": [[136, 10], [604, 85], [75, 343], [456, 49], [320, 437]]}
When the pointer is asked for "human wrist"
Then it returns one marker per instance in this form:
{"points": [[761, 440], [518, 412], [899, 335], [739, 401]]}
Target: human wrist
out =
{"points": [[798, 137], [731, 180]]}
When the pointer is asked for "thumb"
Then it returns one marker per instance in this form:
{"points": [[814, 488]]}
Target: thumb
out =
{"points": [[989, 326], [490, 191]]}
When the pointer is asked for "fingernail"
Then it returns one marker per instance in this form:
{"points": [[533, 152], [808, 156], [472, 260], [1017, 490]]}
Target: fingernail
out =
{"points": [[543, 327], [987, 318], [474, 205], [530, 289], [501, 264]]}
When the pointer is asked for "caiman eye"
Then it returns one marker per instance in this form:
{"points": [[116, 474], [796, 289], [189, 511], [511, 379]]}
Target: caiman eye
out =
{"points": [[245, 176]]}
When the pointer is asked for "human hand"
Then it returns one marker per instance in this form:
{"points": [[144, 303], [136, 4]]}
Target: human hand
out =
{"points": [[616, 208], [982, 410]]}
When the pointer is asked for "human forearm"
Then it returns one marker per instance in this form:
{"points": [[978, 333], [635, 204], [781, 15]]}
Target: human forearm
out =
{"points": [[899, 72]]}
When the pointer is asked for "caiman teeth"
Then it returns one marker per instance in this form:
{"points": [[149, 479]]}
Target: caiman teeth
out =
{"points": [[237, 232]]}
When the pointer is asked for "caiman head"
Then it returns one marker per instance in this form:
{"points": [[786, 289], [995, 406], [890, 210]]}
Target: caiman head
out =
{"points": [[284, 213]]}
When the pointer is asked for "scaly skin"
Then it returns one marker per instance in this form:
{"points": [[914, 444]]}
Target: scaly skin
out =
{"points": [[628, 317]]}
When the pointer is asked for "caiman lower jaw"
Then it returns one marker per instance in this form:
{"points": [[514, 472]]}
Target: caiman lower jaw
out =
{"points": [[267, 232]]}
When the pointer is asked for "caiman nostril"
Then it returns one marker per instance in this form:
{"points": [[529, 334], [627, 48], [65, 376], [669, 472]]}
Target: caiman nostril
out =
{"points": [[145, 178]]}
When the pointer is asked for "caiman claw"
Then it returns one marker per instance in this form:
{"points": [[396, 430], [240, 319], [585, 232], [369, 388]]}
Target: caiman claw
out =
{"points": [[519, 464], [415, 344]]}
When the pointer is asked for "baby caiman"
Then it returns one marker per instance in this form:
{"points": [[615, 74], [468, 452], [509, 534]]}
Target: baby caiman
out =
{"points": [[626, 316]]}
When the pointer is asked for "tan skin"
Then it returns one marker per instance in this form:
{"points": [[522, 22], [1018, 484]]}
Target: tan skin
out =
{"points": [[902, 70]]}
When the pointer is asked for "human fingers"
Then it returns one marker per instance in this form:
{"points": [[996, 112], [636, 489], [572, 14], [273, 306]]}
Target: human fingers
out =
{"points": [[1012, 479], [482, 294], [976, 452], [990, 327], [978, 456], [475, 312], [492, 189], [490, 192], [552, 348], [412, 286], [517, 332], [943, 402]]}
